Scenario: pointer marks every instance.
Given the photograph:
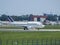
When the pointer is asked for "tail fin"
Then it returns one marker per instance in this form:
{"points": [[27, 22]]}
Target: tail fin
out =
{"points": [[10, 19]]}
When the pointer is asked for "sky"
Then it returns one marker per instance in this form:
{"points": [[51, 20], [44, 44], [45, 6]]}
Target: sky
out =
{"points": [[36, 7]]}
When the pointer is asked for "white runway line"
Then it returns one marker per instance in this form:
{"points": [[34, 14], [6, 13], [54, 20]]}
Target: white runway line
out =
{"points": [[21, 30]]}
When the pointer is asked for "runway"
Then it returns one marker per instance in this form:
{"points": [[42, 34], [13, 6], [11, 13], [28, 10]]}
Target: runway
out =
{"points": [[21, 30]]}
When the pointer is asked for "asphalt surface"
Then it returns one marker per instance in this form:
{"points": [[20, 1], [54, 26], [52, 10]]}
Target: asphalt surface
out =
{"points": [[21, 30]]}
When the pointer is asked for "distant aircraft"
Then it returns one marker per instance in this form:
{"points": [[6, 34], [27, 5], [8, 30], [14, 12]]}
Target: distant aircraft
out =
{"points": [[26, 25]]}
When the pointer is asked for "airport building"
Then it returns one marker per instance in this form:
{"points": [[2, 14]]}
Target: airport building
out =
{"points": [[37, 18]]}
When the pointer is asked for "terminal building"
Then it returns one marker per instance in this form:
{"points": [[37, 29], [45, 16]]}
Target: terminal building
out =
{"points": [[37, 18]]}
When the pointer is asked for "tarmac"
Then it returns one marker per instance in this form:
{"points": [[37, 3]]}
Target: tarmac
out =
{"points": [[22, 30]]}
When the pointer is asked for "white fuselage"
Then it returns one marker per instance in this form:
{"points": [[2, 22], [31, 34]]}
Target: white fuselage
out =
{"points": [[30, 24]]}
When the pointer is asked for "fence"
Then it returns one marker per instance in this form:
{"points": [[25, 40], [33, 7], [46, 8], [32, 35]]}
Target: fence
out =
{"points": [[31, 42]]}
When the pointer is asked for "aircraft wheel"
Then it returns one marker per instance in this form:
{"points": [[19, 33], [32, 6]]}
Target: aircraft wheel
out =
{"points": [[25, 28]]}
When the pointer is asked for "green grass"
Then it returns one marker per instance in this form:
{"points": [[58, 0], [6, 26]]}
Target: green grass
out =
{"points": [[10, 27], [52, 27], [4, 36], [29, 35]]}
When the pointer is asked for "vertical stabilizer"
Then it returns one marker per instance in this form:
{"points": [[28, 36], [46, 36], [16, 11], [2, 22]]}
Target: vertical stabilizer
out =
{"points": [[10, 19]]}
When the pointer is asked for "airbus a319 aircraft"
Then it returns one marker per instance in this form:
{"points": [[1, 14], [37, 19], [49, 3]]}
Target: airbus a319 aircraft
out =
{"points": [[26, 24]]}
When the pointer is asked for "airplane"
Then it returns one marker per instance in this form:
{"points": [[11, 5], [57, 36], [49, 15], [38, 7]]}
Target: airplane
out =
{"points": [[26, 24]]}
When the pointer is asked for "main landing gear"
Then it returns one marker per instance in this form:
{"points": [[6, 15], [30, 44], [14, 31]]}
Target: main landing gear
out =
{"points": [[25, 28]]}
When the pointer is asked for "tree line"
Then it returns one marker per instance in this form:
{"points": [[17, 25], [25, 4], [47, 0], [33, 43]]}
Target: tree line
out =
{"points": [[4, 17]]}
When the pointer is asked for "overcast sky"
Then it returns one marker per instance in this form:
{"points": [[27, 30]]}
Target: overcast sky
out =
{"points": [[37, 7]]}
